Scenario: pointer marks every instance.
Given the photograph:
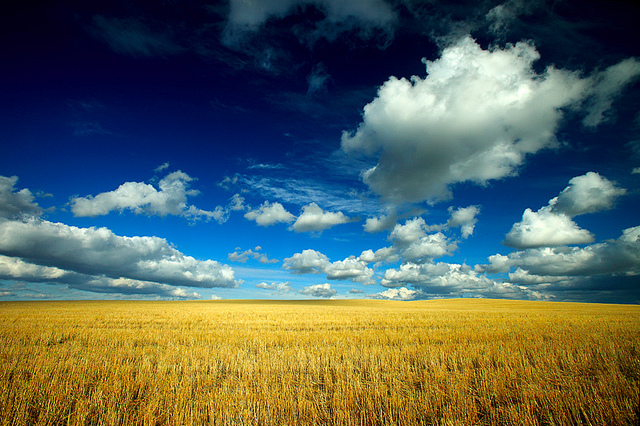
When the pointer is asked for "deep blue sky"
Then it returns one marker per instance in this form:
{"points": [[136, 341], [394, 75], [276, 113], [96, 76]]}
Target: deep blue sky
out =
{"points": [[320, 148]]}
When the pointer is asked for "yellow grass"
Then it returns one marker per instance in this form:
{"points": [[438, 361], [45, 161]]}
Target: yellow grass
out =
{"points": [[453, 362]]}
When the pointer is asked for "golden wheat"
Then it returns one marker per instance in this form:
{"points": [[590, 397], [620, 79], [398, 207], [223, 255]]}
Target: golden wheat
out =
{"points": [[453, 362]]}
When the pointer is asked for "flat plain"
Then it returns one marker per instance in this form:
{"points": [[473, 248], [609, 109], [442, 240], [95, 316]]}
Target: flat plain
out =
{"points": [[443, 362]]}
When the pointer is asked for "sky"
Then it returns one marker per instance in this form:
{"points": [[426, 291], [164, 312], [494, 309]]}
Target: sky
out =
{"points": [[313, 149]]}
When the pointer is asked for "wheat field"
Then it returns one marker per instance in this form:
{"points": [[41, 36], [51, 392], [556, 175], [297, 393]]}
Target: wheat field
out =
{"points": [[448, 362]]}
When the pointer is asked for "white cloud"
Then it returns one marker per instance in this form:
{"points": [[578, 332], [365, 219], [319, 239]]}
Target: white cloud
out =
{"points": [[606, 86], [588, 193], [410, 232], [270, 213], [450, 279], [238, 256], [381, 223], [308, 262], [385, 254], [414, 244], [15, 269], [428, 247], [474, 118], [413, 273], [621, 256], [161, 167], [15, 203], [350, 268], [464, 218], [545, 229], [237, 203], [432, 274], [313, 262], [129, 286], [313, 218], [143, 198], [522, 277], [318, 290], [98, 251], [12, 268], [552, 225], [219, 214], [280, 288], [301, 191], [401, 293]]}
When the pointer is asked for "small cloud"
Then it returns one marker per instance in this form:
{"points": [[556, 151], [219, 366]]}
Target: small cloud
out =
{"points": [[464, 218], [402, 293], [381, 223], [317, 80], [545, 229], [385, 254], [553, 226], [161, 167], [307, 262], [313, 218], [133, 37], [242, 257], [262, 166], [318, 290], [313, 262], [142, 198], [280, 288], [269, 214], [237, 203], [588, 193]]}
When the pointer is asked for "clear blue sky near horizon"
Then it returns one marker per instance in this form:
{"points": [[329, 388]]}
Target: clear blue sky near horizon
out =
{"points": [[289, 149]]}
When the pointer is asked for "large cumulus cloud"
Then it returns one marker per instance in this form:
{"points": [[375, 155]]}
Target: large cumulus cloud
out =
{"points": [[474, 118]]}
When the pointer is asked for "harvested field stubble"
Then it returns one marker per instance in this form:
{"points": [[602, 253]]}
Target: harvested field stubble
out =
{"points": [[463, 362]]}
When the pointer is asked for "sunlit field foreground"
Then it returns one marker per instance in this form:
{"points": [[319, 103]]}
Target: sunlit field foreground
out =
{"points": [[462, 362]]}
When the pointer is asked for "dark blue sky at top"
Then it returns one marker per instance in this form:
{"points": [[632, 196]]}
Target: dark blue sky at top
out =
{"points": [[99, 94]]}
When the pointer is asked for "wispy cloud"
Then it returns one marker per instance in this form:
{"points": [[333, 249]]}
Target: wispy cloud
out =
{"points": [[134, 37], [301, 191]]}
